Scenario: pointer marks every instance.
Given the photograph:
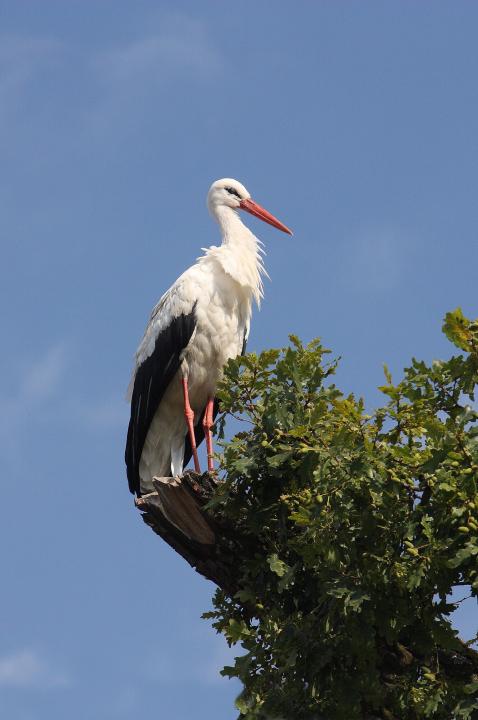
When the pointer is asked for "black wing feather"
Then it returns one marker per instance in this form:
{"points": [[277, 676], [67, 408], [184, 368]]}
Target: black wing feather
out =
{"points": [[151, 381]]}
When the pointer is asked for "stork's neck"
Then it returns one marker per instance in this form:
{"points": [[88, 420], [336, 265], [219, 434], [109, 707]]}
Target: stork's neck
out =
{"points": [[240, 252], [233, 230]]}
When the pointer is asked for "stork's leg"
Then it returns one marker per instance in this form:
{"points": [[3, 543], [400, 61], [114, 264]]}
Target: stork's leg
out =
{"points": [[207, 423], [189, 414]]}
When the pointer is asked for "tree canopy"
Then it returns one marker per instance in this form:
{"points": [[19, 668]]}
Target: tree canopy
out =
{"points": [[356, 528]]}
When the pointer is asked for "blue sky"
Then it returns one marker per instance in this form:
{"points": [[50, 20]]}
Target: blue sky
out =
{"points": [[355, 123]]}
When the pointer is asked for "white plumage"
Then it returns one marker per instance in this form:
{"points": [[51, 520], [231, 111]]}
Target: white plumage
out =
{"points": [[198, 324]]}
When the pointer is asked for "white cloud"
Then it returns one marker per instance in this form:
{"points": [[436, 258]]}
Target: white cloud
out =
{"points": [[43, 378], [26, 669], [208, 672], [375, 259], [38, 383], [178, 44], [40, 393], [207, 655], [44, 394], [172, 45], [132, 76], [124, 703], [119, 82], [21, 57], [28, 398], [104, 414]]}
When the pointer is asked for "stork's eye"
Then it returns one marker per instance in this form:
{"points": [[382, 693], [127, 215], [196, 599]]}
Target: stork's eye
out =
{"points": [[232, 191]]}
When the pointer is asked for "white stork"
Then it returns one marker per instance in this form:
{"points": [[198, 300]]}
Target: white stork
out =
{"points": [[199, 323]]}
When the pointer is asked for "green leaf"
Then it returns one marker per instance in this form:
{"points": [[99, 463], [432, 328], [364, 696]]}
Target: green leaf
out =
{"points": [[286, 579], [343, 534], [470, 550], [277, 566], [278, 459], [301, 516], [437, 457], [235, 630], [456, 328], [242, 703], [387, 373], [245, 596]]}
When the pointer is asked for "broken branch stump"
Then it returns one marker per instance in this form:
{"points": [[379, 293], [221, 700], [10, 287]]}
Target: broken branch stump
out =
{"points": [[176, 512]]}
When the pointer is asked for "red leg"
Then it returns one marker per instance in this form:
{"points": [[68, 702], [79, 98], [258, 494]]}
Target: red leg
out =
{"points": [[207, 424], [189, 414]]}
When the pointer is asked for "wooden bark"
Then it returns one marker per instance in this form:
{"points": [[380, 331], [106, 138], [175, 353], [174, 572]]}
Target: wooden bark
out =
{"points": [[176, 512]]}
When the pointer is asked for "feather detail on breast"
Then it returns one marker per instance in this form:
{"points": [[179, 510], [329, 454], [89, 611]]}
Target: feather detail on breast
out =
{"points": [[246, 268]]}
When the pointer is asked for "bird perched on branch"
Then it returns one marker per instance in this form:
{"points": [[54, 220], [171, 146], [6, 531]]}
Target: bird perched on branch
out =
{"points": [[197, 326]]}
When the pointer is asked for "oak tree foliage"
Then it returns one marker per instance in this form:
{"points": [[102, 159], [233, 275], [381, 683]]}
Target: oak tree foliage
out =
{"points": [[360, 526]]}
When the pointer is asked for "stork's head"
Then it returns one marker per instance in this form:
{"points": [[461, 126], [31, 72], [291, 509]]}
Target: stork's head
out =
{"points": [[229, 193]]}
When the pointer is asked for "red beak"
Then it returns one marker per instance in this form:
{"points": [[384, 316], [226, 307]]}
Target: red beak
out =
{"points": [[252, 207]]}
